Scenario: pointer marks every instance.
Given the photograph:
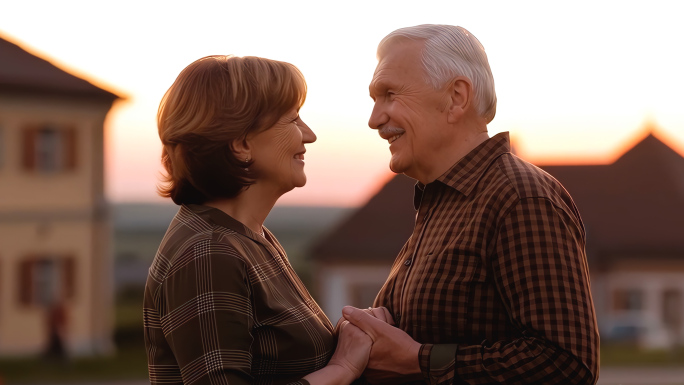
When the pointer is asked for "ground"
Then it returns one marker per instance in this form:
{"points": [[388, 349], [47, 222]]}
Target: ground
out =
{"points": [[620, 364]]}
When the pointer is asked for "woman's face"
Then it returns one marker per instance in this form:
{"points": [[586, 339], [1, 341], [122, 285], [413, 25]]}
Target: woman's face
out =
{"points": [[278, 152]]}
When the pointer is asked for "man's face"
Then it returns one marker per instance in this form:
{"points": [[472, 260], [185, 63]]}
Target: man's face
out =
{"points": [[408, 112]]}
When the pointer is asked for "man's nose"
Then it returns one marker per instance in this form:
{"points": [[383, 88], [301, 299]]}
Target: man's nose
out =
{"points": [[378, 117]]}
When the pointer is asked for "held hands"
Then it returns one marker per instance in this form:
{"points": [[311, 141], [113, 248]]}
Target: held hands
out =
{"points": [[380, 313], [353, 350], [394, 354], [353, 345]]}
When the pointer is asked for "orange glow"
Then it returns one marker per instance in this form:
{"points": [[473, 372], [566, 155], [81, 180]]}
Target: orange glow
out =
{"points": [[567, 94], [610, 156]]}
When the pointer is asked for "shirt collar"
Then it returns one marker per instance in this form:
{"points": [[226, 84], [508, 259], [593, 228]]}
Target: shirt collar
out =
{"points": [[215, 216], [463, 175]]}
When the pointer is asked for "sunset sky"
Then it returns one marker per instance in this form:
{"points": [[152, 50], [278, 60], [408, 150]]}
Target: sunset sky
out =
{"points": [[576, 83]]}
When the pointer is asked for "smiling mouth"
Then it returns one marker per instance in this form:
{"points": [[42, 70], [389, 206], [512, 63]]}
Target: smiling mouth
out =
{"points": [[395, 137], [299, 156]]}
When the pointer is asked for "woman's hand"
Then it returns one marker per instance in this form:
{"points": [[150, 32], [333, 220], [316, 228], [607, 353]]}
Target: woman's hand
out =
{"points": [[352, 353], [353, 349], [380, 313]]}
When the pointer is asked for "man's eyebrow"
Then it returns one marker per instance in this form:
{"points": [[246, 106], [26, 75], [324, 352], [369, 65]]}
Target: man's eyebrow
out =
{"points": [[377, 86], [371, 89]]}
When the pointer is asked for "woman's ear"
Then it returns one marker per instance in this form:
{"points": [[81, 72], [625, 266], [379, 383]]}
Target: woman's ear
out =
{"points": [[241, 149], [461, 97]]}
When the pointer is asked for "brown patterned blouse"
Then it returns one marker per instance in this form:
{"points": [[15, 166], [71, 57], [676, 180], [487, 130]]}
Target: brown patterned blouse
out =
{"points": [[494, 279], [223, 306]]}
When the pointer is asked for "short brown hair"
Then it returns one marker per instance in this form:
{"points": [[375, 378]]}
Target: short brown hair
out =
{"points": [[214, 101]]}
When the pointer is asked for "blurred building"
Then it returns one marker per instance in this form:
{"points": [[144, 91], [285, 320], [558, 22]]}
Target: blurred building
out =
{"points": [[55, 262], [633, 211], [138, 230], [353, 260], [140, 227]]}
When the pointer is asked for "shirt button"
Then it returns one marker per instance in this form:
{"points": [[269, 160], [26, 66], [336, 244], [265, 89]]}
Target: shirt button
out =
{"points": [[407, 262]]}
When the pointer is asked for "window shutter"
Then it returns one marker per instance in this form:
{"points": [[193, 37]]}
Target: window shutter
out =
{"points": [[69, 277], [29, 148], [2, 146], [70, 148], [26, 282]]}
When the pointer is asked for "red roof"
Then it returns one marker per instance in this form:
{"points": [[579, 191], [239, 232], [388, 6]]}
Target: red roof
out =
{"points": [[634, 206], [21, 71]]}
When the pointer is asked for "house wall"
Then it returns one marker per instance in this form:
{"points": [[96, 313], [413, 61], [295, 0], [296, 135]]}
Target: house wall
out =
{"points": [[73, 190], [341, 285], [60, 214], [649, 281]]}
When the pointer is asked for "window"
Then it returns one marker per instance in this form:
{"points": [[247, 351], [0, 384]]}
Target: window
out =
{"points": [[46, 280], [628, 299], [672, 308], [49, 149]]}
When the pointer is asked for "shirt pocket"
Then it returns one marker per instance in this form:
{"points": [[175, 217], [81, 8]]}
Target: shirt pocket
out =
{"points": [[451, 282]]}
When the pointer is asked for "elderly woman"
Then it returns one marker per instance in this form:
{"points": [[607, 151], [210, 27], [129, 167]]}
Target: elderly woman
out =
{"points": [[222, 303]]}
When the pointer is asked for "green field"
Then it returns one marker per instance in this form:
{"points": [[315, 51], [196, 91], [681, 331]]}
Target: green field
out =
{"points": [[128, 363], [626, 355]]}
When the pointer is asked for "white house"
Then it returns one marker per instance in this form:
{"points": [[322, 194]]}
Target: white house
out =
{"points": [[55, 259]]}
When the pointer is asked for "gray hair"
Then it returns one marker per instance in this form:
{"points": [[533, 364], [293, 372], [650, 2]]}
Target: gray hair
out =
{"points": [[452, 51]]}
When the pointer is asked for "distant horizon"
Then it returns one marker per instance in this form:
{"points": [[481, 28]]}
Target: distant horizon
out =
{"points": [[650, 128]]}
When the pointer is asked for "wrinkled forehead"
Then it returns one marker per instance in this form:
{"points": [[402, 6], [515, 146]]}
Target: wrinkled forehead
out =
{"points": [[400, 54]]}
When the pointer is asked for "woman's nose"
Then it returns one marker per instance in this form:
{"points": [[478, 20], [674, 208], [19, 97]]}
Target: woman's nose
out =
{"points": [[308, 135]]}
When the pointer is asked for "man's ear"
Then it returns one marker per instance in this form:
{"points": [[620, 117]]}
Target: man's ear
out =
{"points": [[241, 149], [460, 93]]}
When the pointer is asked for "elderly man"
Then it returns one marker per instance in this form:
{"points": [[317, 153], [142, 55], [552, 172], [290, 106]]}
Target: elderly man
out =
{"points": [[492, 287]]}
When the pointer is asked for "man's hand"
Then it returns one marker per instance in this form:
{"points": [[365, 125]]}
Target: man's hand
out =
{"points": [[353, 349], [380, 313], [394, 355]]}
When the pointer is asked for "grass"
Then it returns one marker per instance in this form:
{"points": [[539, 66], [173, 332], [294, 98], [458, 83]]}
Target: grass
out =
{"points": [[128, 363], [629, 355]]}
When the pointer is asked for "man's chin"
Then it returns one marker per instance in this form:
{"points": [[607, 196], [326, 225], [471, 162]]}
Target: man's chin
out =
{"points": [[396, 166]]}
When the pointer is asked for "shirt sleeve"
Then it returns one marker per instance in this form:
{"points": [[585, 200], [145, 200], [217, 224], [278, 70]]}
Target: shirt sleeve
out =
{"points": [[207, 315], [540, 269]]}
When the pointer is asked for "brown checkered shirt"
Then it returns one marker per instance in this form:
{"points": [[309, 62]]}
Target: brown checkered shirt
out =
{"points": [[223, 306], [494, 279]]}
